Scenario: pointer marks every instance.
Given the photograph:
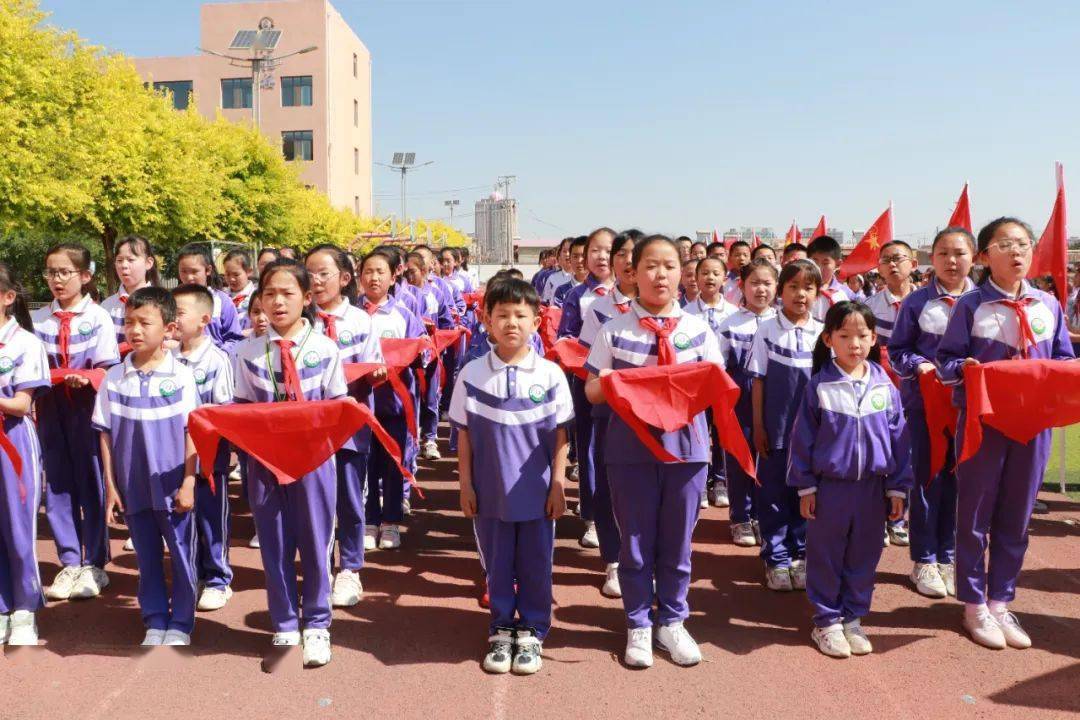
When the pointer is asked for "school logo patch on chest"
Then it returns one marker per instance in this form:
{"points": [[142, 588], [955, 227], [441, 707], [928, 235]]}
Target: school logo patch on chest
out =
{"points": [[167, 388], [682, 341], [387, 333], [345, 339], [6, 365], [200, 376], [85, 328], [1038, 326], [536, 394], [877, 400], [311, 359]]}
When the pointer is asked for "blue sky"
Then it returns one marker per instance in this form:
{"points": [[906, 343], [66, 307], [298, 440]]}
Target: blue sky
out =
{"points": [[690, 114]]}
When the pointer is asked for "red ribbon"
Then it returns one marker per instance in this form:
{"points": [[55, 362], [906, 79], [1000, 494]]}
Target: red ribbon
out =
{"points": [[571, 355], [63, 337], [1019, 399], [669, 397], [288, 439], [941, 419]]}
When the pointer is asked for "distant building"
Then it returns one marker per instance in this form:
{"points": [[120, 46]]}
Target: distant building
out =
{"points": [[496, 229], [835, 233], [315, 106]]}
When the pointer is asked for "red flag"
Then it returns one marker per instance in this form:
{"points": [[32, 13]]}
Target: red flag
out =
{"points": [[1051, 255], [288, 439], [961, 216], [756, 241], [865, 255], [570, 355], [820, 230], [1019, 399], [669, 397], [715, 236], [941, 419], [793, 234]]}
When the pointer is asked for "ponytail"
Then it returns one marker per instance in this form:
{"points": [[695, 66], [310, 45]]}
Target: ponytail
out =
{"points": [[20, 310]]}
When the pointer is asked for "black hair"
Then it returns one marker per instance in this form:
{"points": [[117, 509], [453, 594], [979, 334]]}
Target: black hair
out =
{"points": [[693, 262], [9, 282], [953, 230], [824, 245], [794, 269], [299, 273], [579, 242], [386, 254], [738, 244], [683, 238], [273, 251], [634, 234], [201, 251], [639, 248], [617, 244], [341, 260], [717, 245], [140, 246], [156, 297], [596, 233], [701, 244], [759, 248], [79, 257], [242, 256], [834, 320], [198, 291], [793, 247], [987, 234], [422, 246], [464, 257], [758, 264], [511, 291], [901, 243], [507, 274]]}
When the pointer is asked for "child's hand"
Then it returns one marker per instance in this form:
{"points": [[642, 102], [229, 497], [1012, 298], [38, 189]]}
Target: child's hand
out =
{"points": [[970, 361], [76, 381], [468, 501], [761, 441], [925, 368], [896, 508], [112, 504], [808, 506], [555, 506], [185, 496], [378, 377], [605, 372]]}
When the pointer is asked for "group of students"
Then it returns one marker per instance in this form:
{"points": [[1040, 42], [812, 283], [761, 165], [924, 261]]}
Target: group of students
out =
{"points": [[841, 454]]}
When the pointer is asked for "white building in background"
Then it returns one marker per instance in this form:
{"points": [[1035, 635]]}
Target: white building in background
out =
{"points": [[496, 228]]}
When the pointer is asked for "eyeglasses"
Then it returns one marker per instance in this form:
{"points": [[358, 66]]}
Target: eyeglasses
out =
{"points": [[894, 259], [62, 275], [324, 275], [1010, 245]]}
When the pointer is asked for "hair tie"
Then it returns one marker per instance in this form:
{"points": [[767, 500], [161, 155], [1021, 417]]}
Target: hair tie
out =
{"points": [[92, 267]]}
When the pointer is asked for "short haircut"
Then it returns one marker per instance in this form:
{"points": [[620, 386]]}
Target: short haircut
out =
{"points": [[824, 245], [511, 291], [794, 247], [201, 294], [579, 242], [796, 269], [761, 248], [738, 244], [159, 298], [899, 243], [758, 264]]}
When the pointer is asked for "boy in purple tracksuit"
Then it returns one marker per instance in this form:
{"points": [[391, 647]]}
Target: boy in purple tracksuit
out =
{"points": [[849, 450], [1004, 318], [511, 408]]}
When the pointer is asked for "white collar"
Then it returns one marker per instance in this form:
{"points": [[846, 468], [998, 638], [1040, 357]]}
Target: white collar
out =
{"points": [[675, 311], [8, 330], [528, 363], [79, 309], [166, 367]]}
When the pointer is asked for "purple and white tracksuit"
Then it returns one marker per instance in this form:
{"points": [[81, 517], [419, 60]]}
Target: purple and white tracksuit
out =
{"points": [[913, 341], [849, 446], [512, 414], [781, 356], [298, 516], [996, 489], [655, 504]]}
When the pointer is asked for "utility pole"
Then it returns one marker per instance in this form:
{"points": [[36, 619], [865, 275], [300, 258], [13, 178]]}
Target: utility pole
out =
{"points": [[451, 204]]}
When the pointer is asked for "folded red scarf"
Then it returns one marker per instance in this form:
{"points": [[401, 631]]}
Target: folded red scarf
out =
{"points": [[941, 419], [399, 355], [668, 398], [13, 455], [290, 439], [886, 365], [473, 300], [443, 339], [1019, 398], [571, 356], [550, 317], [96, 376]]}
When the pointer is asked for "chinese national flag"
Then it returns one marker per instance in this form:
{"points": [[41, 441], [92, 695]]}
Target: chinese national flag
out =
{"points": [[820, 230], [755, 242], [1051, 255], [865, 255], [961, 216], [793, 234]]}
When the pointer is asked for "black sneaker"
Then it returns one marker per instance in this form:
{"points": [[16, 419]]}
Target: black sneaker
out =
{"points": [[527, 651], [500, 653]]}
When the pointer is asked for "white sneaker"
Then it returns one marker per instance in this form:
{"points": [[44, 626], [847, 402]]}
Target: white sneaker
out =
{"points": [[5, 627], [831, 641], [254, 541], [63, 583], [886, 541], [675, 639], [778, 578], [858, 643], [527, 653], [798, 574], [214, 598], [500, 654], [430, 451], [718, 495], [984, 629], [153, 637], [176, 638], [898, 535], [742, 534], [1015, 636], [589, 539], [704, 500], [389, 537], [371, 537], [23, 629], [948, 576], [406, 506], [316, 647], [129, 545], [611, 587], [347, 589], [289, 638], [638, 647], [91, 581], [573, 475], [928, 580]]}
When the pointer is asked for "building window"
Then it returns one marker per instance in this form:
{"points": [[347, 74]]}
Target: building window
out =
{"points": [[296, 91], [355, 66], [180, 91], [356, 204], [296, 145], [236, 93], [356, 113], [356, 161]]}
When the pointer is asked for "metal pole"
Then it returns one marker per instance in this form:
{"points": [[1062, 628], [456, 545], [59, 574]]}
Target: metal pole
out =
{"points": [[404, 217], [256, 110], [1061, 459]]}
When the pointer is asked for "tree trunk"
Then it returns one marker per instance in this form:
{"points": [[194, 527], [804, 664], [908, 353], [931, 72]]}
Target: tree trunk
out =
{"points": [[108, 241]]}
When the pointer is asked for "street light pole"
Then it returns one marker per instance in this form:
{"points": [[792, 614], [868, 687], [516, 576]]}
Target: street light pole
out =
{"points": [[451, 204]]}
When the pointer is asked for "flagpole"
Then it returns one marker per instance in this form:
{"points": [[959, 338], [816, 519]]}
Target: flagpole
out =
{"points": [[1061, 459]]}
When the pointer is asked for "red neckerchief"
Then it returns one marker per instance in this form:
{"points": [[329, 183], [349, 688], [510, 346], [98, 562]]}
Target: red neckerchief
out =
{"points": [[371, 307], [623, 307], [662, 328], [600, 290], [63, 340], [238, 300], [290, 376], [829, 295], [1027, 337], [330, 323]]}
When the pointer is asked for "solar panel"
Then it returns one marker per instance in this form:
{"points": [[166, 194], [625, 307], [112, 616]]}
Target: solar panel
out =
{"points": [[398, 158], [268, 39], [244, 40], [410, 158]]}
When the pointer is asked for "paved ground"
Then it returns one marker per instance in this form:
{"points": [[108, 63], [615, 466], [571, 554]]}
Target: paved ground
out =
{"points": [[412, 647]]}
